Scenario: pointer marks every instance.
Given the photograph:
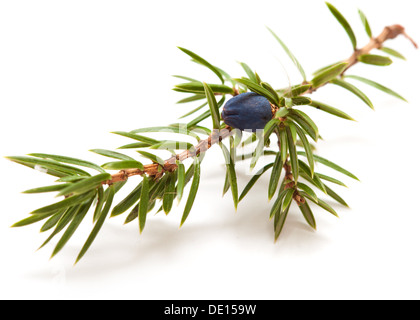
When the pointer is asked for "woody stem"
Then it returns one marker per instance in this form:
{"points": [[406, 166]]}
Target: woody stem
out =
{"points": [[170, 165]]}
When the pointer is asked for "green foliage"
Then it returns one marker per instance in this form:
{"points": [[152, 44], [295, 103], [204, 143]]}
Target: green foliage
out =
{"points": [[200, 60], [286, 141], [331, 110], [144, 203], [294, 91], [154, 158], [292, 154], [328, 74], [305, 122], [275, 175], [231, 173], [251, 75], [85, 185], [307, 214], [257, 88], [193, 191], [392, 52], [214, 109], [348, 86], [375, 59], [68, 160], [113, 154], [340, 18], [332, 165], [169, 193], [377, 86], [181, 181], [198, 89], [100, 221], [254, 179], [290, 54], [52, 167], [365, 23]]}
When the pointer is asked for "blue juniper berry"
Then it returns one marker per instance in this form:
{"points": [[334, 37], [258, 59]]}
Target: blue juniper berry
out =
{"points": [[247, 111]]}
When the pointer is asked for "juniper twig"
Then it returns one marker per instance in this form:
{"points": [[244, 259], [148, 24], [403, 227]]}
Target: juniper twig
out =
{"points": [[254, 105]]}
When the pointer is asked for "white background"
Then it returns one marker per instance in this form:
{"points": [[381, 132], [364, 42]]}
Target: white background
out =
{"points": [[73, 71]]}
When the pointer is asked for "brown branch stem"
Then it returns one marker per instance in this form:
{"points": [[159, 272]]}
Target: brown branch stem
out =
{"points": [[157, 170], [389, 32]]}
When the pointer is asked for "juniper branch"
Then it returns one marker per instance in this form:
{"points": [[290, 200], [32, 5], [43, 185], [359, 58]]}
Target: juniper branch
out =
{"points": [[163, 180], [156, 170]]}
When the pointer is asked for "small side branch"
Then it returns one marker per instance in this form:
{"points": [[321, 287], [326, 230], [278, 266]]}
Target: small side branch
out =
{"points": [[389, 33], [157, 170]]}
